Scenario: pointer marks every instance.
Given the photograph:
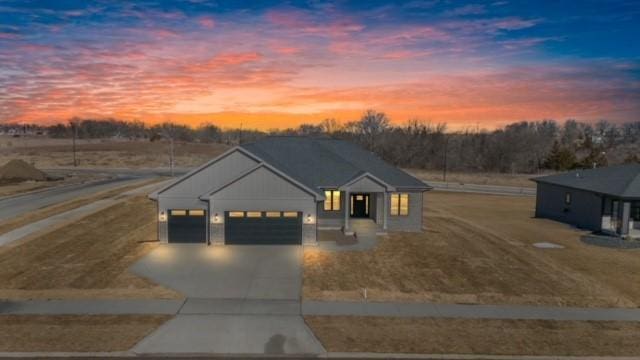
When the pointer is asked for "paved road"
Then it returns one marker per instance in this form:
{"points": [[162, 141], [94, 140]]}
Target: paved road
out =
{"points": [[482, 189], [12, 206]]}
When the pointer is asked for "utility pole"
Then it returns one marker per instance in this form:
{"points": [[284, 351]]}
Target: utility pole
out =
{"points": [[171, 147], [240, 135], [74, 131], [444, 168]]}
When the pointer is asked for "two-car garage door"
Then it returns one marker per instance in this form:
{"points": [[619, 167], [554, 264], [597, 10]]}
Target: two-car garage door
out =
{"points": [[240, 227], [263, 228]]}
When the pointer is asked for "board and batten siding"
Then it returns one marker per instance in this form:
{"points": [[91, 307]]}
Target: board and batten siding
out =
{"points": [[263, 190], [411, 222], [217, 174], [584, 211], [184, 194]]}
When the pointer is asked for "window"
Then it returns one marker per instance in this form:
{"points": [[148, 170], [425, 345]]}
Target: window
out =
{"points": [[290, 214], [567, 198], [196, 212], [273, 214], [332, 200], [178, 212], [399, 204], [254, 214], [236, 214]]}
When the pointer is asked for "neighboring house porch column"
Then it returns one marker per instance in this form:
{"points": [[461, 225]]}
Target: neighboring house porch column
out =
{"points": [[347, 211], [385, 211], [626, 215]]}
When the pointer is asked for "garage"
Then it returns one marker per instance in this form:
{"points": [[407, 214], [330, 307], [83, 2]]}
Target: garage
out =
{"points": [[187, 226], [263, 228]]}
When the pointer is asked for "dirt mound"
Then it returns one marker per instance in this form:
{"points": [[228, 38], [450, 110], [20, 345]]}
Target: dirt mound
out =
{"points": [[19, 170]]}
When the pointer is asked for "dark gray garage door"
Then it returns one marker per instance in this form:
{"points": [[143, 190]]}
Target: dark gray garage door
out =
{"points": [[187, 226], [263, 228]]}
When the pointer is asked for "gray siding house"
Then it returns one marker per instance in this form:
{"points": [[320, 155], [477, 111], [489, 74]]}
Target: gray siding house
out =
{"points": [[603, 200], [282, 190]]}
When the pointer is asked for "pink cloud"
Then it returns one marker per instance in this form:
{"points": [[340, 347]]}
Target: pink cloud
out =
{"points": [[206, 22]]}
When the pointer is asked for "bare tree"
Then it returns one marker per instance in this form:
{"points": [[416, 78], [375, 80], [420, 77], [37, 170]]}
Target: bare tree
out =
{"points": [[371, 125]]}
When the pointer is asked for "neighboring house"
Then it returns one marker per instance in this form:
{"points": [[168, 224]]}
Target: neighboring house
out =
{"points": [[282, 189], [604, 199]]}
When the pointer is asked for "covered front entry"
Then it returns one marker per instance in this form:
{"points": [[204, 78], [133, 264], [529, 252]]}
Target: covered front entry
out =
{"points": [[187, 226], [263, 228]]}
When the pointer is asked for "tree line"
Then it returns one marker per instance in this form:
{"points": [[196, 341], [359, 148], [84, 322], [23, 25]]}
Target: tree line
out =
{"points": [[521, 147]]}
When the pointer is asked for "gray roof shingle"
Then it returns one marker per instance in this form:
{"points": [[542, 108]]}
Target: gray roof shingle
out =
{"points": [[325, 163], [620, 180]]}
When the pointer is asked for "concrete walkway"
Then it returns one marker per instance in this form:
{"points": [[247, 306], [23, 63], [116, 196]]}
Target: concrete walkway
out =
{"points": [[468, 311], [232, 334], [54, 221], [194, 306]]}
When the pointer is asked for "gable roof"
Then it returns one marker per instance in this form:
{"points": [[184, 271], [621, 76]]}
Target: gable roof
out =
{"points": [[321, 163], [211, 192], [154, 195], [621, 180]]}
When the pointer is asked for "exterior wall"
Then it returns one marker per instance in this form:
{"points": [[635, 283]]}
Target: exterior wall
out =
{"points": [[412, 222], [263, 190], [184, 195], [214, 176], [585, 210], [331, 219]]}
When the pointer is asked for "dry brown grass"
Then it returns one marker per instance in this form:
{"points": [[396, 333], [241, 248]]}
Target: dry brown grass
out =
{"points": [[478, 249], [86, 259], [48, 211], [476, 336], [480, 178], [53, 153], [75, 333]]}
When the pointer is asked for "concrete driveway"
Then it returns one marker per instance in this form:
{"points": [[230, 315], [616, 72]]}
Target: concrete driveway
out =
{"points": [[226, 272]]}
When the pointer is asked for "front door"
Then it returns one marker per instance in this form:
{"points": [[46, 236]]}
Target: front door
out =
{"points": [[360, 205]]}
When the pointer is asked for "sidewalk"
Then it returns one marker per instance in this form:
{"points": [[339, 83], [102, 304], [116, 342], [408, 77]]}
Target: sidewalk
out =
{"points": [[193, 306], [389, 309]]}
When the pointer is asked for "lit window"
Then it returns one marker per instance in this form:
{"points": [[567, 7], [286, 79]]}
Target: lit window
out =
{"points": [[236, 214], [567, 198], [395, 203], [290, 214], [400, 204], [273, 214], [404, 204], [254, 214], [196, 212], [178, 212], [332, 200]]}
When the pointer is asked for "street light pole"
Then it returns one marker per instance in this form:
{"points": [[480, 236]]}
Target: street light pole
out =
{"points": [[444, 168]]}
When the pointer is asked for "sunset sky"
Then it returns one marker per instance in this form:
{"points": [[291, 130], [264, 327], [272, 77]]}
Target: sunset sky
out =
{"points": [[278, 64]]}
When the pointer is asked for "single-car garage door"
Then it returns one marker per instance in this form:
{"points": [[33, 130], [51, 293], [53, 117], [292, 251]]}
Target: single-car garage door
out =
{"points": [[263, 228], [187, 226]]}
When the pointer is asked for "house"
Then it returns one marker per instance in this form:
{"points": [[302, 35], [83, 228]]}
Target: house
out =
{"points": [[282, 190], [604, 200]]}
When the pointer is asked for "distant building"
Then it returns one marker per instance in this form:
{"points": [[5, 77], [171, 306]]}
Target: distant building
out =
{"points": [[605, 199]]}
